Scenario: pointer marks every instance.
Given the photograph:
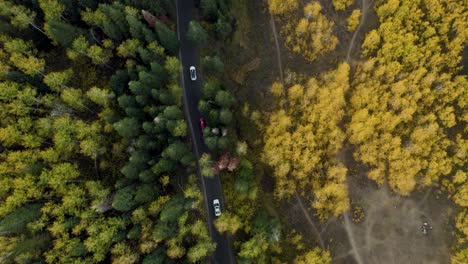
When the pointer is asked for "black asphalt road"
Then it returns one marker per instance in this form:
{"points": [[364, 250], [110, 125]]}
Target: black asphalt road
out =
{"points": [[211, 187]]}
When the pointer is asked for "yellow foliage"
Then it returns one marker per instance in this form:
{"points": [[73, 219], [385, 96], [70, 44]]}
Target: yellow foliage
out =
{"points": [[276, 89], [312, 9], [122, 254], [377, 175], [460, 177], [281, 7], [388, 9], [295, 92], [353, 20], [52, 9], [301, 144], [156, 206], [461, 197], [174, 250], [371, 42], [332, 198], [447, 116], [461, 222], [337, 172], [228, 222], [29, 65], [460, 257], [310, 35], [406, 95], [342, 4], [314, 256]]}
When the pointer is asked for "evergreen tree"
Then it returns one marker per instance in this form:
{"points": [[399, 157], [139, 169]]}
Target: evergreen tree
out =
{"points": [[124, 199], [127, 127], [168, 38], [209, 9], [63, 33], [16, 222], [156, 257], [196, 34], [212, 65], [223, 28], [225, 117], [224, 99]]}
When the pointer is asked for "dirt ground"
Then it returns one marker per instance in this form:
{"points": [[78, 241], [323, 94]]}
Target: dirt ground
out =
{"points": [[391, 231], [252, 40]]}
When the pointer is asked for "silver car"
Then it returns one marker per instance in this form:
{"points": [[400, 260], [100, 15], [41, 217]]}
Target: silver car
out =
{"points": [[217, 207], [193, 73]]}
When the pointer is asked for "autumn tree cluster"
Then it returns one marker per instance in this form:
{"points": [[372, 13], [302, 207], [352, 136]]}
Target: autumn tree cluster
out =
{"points": [[408, 118], [340, 5], [405, 116], [307, 32], [303, 138], [409, 103], [353, 20], [93, 138]]}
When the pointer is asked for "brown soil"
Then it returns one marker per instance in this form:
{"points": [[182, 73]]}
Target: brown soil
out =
{"points": [[391, 231]]}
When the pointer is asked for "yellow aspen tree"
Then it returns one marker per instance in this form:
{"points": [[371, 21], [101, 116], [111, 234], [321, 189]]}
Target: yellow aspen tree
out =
{"points": [[353, 20], [314, 256], [281, 7], [301, 143], [341, 4], [310, 35]]}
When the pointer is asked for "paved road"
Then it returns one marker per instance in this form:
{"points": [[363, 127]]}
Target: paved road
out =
{"points": [[211, 188]]}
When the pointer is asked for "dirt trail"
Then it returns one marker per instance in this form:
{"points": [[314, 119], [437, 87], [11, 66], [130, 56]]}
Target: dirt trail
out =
{"points": [[391, 231], [365, 5], [352, 241], [309, 220], [278, 51], [298, 198]]}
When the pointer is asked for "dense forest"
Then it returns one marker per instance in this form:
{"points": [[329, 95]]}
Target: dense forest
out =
{"points": [[95, 162]]}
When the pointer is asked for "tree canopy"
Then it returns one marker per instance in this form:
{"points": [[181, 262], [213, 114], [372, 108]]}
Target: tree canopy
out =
{"points": [[92, 135]]}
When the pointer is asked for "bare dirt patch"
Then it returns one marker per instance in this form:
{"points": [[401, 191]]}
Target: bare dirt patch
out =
{"points": [[390, 232], [392, 228]]}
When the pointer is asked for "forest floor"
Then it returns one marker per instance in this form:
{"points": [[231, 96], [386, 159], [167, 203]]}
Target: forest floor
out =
{"points": [[251, 81], [389, 230]]}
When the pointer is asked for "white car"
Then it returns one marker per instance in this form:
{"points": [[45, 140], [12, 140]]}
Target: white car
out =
{"points": [[193, 73], [217, 207]]}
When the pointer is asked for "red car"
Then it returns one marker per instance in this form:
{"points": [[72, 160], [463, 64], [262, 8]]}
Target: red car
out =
{"points": [[202, 122]]}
